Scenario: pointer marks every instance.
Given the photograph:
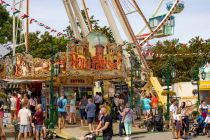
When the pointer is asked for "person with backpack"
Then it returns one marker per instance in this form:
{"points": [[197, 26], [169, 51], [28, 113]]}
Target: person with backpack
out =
{"points": [[127, 119], [61, 103]]}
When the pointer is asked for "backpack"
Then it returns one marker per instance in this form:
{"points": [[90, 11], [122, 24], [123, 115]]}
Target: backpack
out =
{"points": [[60, 103]]}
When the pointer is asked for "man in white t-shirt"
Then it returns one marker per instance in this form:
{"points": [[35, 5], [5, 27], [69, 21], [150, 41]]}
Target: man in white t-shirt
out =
{"points": [[173, 112], [13, 101], [24, 116]]}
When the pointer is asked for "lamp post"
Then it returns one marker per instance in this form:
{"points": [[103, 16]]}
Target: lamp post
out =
{"points": [[55, 69], [196, 79], [168, 74], [135, 73]]}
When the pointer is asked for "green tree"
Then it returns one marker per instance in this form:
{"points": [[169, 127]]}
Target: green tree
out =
{"points": [[5, 26], [41, 45], [197, 50]]}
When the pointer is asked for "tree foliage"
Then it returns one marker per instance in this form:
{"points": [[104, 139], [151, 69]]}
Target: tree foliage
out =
{"points": [[40, 45], [5, 26], [193, 54]]}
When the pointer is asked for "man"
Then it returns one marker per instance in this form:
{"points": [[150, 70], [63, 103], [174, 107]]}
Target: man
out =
{"points": [[105, 125], [61, 103], [24, 116], [91, 111], [173, 112], [97, 101]]}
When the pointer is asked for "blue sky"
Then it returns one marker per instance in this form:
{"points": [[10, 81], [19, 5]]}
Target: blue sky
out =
{"points": [[193, 21]]}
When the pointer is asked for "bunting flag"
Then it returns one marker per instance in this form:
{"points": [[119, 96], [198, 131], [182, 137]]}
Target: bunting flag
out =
{"points": [[59, 34], [52, 30], [6, 4], [40, 24], [2, 2], [24, 16], [32, 20], [47, 27]]}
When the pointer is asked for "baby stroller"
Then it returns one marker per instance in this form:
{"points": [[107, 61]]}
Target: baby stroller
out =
{"points": [[90, 136], [158, 123], [198, 128]]}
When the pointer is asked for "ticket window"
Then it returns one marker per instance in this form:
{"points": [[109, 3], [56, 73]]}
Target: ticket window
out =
{"points": [[79, 92]]}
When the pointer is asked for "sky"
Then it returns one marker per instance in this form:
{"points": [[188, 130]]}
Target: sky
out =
{"points": [[193, 21]]}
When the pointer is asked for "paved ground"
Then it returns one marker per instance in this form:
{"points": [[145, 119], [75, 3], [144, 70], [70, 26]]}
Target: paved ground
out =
{"points": [[158, 136]]}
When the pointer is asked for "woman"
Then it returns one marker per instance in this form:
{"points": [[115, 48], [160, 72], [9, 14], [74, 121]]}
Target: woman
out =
{"points": [[203, 109], [185, 119], [91, 114], [127, 119], [82, 105], [72, 110], [32, 104]]}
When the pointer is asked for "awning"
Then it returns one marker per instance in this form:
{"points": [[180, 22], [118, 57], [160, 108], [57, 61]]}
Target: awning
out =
{"points": [[204, 85], [21, 81]]}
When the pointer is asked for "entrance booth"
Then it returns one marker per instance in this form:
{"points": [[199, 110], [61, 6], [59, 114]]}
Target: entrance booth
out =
{"points": [[73, 72]]}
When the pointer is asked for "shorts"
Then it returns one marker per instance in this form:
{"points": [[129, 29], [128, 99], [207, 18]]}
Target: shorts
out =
{"points": [[90, 119], [62, 114], [154, 111], [72, 109], [146, 111], [178, 126], [24, 128], [83, 114], [38, 128]]}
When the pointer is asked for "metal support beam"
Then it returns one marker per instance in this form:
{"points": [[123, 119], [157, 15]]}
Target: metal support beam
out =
{"points": [[111, 21], [79, 17]]}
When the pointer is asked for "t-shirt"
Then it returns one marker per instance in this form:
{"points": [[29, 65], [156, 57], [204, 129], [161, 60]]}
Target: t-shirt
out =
{"points": [[128, 115], [39, 117], [173, 109], [91, 109], [178, 117], [154, 102], [13, 101], [109, 130], [72, 102], [64, 103], [24, 115], [97, 99], [146, 104]]}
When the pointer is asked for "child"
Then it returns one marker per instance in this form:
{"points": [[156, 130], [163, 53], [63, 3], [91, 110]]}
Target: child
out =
{"points": [[207, 121], [148, 122], [24, 116], [38, 116], [178, 120]]}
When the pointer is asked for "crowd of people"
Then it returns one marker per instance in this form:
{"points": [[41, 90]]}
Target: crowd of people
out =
{"points": [[26, 112], [179, 116]]}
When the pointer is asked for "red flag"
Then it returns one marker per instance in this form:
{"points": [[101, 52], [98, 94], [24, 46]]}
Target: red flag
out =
{"points": [[32, 20], [24, 16]]}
